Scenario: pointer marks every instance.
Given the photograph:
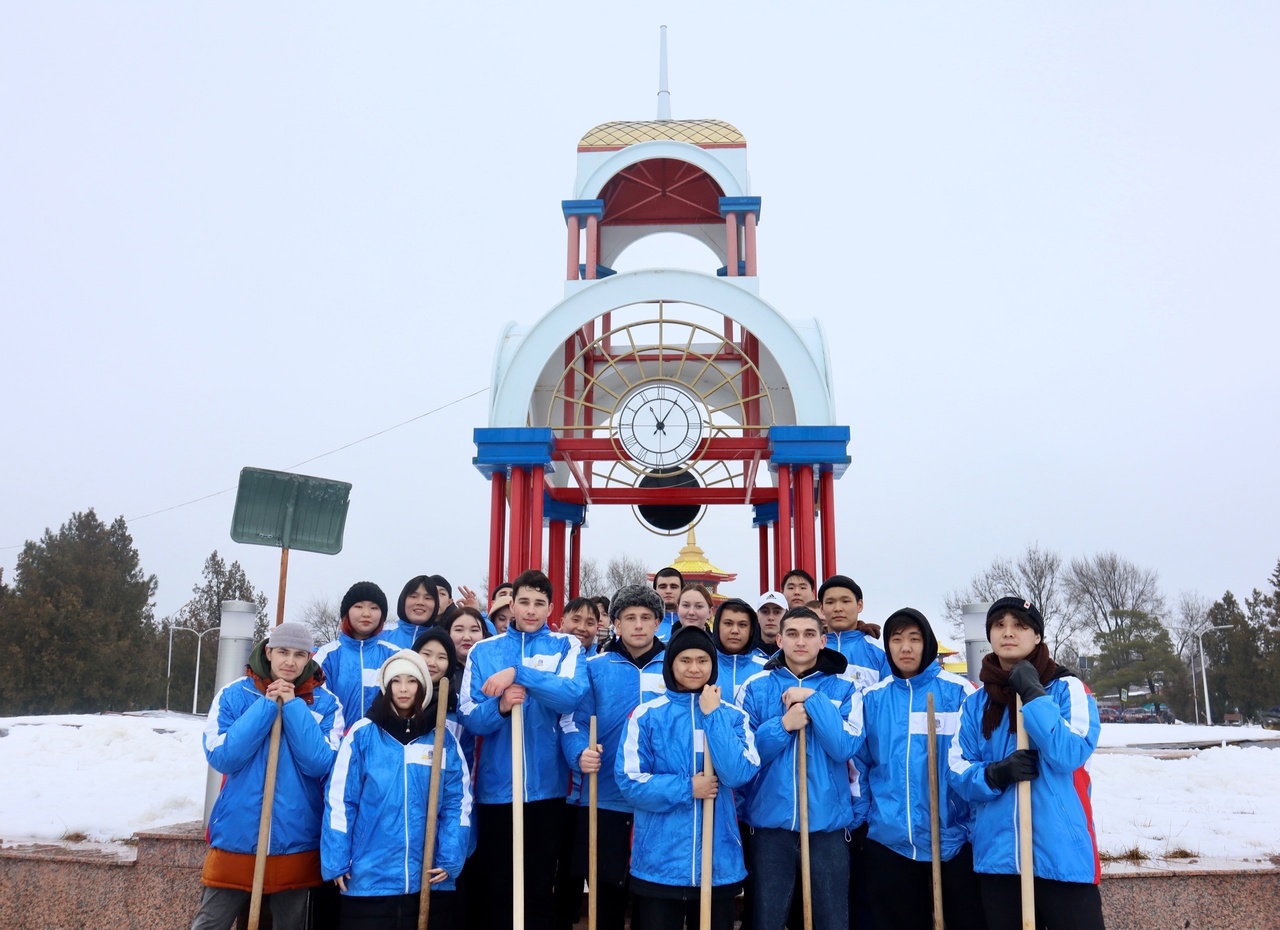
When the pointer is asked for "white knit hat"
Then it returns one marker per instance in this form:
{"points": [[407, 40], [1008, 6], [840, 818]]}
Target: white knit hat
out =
{"points": [[406, 662]]}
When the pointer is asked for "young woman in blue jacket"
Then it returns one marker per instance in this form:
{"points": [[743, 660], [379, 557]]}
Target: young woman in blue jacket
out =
{"points": [[376, 808], [660, 772], [893, 755], [985, 767]]}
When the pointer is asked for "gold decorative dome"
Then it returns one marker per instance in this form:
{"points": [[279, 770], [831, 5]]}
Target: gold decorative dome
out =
{"points": [[692, 561], [706, 133]]}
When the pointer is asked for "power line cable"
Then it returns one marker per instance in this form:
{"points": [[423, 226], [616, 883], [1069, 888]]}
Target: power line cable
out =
{"points": [[313, 458]]}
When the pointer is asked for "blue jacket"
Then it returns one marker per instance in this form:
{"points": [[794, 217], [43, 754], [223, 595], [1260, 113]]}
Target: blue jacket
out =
{"points": [[549, 665], [402, 633], [670, 621], [616, 686], [893, 755], [1064, 726], [772, 800], [375, 812], [351, 671], [661, 752], [867, 662], [236, 740], [735, 671]]}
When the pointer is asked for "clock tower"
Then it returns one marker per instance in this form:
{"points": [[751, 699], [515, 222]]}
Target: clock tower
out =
{"points": [[668, 391]]}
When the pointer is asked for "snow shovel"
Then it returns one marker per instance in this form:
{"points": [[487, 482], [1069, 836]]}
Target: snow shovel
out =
{"points": [[433, 803], [1026, 849], [592, 838], [517, 817], [708, 839], [279, 508], [806, 886], [264, 822], [935, 825]]}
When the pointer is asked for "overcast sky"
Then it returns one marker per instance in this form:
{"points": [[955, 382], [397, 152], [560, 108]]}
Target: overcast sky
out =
{"points": [[1043, 243]]}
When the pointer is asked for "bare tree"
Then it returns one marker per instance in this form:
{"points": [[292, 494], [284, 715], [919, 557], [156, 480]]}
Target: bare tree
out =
{"points": [[1191, 616], [1036, 575], [1106, 582], [321, 615], [623, 570]]}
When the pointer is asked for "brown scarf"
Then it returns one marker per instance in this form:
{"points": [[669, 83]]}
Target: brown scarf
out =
{"points": [[870, 629], [1000, 696]]}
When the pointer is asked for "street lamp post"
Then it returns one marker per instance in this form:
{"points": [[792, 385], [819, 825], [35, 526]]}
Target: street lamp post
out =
{"points": [[1204, 675], [169, 674], [195, 691]]}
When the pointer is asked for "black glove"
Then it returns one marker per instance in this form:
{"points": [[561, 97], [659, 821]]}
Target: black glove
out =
{"points": [[1026, 681], [1019, 765]]}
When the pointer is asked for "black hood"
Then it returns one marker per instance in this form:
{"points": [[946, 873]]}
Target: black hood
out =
{"points": [[412, 585], [830, 662], [909, 616], [618, 646], [737, 604], [688, 637]]}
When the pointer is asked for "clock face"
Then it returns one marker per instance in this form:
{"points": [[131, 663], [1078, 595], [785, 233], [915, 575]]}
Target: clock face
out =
{"points": [[659, 425]]}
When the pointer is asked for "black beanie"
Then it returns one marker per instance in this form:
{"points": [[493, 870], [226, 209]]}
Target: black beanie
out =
{"points": [[1021, 608], [440, 581], [682, 640], [363, 591], [840, 581]]}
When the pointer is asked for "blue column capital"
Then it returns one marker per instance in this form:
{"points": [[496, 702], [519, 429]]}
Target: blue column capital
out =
{"points": [[741, 206], [582, 208], [826, 448], [501, 448]]}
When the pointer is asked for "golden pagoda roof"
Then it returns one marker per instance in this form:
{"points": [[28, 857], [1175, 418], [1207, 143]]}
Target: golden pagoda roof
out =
{"points": [[693, 561], [706, 133]]}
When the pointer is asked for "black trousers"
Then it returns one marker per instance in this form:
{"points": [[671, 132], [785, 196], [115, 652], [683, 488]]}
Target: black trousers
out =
{"points": [[902, 890], [397, 912], [677, 914], [543, 822], [1059, 905]]}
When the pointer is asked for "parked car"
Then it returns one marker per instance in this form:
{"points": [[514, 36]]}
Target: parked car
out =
{"points": [[1108, 715], [1137, 715], [1270, 719]]}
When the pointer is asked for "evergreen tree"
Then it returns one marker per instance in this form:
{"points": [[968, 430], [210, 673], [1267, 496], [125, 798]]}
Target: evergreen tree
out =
{"points": [[1136, 651], [221, 582], [77, 625]]}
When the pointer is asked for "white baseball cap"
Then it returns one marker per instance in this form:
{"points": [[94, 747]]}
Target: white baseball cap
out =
{"points": [[772, 597]]}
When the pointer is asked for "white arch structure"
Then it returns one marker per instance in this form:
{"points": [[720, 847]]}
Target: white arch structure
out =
{"points": [[799, 348]]}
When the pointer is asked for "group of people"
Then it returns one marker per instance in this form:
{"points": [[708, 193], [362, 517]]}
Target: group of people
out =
{"points": [[669, 675]]}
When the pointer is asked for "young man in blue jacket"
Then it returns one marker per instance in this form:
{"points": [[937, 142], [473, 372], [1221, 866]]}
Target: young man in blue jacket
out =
{"points": [[351, 661], [660, 771], [736, 633], [801, 688], [1061, 718], [236, 742], [893, 755], [842, 605], [668, 582], [543, 673], [628, 673]]}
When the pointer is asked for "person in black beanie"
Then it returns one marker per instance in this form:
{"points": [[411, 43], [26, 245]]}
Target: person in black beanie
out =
{"points": [[358, 651], [1061, 720]]}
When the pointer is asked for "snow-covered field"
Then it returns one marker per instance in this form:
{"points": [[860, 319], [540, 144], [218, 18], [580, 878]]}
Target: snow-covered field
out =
{"points": [[109, 776]]}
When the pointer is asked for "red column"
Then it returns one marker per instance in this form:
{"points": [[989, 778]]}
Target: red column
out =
{"points": [[497, 527], [537, 487], [731, 244], [575, 559], [805, 546], [750, 236], [555, 567], [571, 271], [518, 533], [764, 557], [827, 503], [593, 246], [782, 540]]}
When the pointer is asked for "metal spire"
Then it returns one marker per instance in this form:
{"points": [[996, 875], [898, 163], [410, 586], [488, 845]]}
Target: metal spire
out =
{"points": [[664, 94]]}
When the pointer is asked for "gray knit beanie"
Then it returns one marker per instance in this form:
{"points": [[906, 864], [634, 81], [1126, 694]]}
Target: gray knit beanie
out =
{"points": [[636, 595], [291, 635]]}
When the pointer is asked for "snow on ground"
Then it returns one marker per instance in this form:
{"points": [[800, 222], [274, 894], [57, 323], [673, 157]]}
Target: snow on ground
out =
{"points": [[109, 776]]}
